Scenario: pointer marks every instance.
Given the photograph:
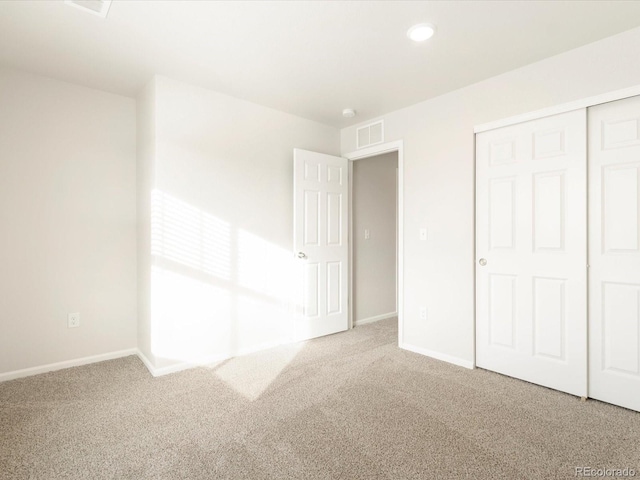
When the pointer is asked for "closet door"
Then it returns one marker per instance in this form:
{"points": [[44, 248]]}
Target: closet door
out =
{"points": [[614, 252], [531, 243]]}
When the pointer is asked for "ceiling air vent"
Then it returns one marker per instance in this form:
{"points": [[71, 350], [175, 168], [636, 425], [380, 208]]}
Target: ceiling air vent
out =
{"points": [[96, 7], [371, 134]]}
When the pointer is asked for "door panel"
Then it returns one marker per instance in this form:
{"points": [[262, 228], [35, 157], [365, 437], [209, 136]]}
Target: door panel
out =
{"points": [[320, 236], [334, 219], [614, 252], [502, 213], [334, 287], [620, 318], [502, 310], [531, 320], [311, 300], [619, 197], [311, 218], [548, 211], [549, 317]]}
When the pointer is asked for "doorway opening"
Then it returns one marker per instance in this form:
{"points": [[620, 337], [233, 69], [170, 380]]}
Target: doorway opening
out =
{"points": [[375, 218], [375, 225]]}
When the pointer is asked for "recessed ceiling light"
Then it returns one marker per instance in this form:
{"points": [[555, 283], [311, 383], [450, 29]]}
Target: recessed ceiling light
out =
{"points": [[348, 113], [421, 32]]}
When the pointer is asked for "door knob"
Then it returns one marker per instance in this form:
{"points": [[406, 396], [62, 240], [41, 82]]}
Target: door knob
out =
{"points": [[302, 255], [482, 262]]}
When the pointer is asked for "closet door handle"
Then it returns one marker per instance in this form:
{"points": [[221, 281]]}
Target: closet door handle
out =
{"points": [[482, 262]]}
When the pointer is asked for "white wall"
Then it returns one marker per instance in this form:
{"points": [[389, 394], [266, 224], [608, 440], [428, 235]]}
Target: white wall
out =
{"points": [[221, 222], [374, 259], [67, 221], [146, 150], [439, 177]]}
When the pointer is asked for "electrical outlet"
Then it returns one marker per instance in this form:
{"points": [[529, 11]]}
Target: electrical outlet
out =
{"points": [[423, 234], [73, 320], [367, 234], [423, 313]]}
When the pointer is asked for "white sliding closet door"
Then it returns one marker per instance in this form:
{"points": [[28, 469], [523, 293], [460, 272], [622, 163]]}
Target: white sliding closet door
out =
{"points": [[531, 320], [614, 252]]}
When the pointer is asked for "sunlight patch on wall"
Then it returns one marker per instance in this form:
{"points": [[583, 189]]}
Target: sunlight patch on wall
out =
{"points": [[216, 290], [185, 234], [260, 323], [265, 268], [189, 318]]}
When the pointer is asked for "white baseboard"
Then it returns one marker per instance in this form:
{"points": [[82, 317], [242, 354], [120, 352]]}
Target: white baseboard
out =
{"points": [[158, 372], [377, 318], [147, 363], [178, 367], [439, 356], [27, 372]]}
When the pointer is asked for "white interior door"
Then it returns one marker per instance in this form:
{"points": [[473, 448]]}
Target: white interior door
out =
{"points": [[531, 320], [614, 252], [321, 187]]}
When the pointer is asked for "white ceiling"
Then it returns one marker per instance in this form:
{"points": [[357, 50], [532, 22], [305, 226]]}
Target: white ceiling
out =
{"points": [[308, 58]]}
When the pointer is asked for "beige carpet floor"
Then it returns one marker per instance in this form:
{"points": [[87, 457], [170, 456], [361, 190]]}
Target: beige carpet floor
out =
{"points": [[347, 406]]}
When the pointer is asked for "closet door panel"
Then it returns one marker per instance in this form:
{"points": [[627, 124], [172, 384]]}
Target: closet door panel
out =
{"points": [[531, 251], [614, 252]]}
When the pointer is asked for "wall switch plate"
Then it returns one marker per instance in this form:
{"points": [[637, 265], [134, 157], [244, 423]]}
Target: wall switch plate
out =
{"points": [[423, 234], [73, 320], [423, 313], [367, 234]]}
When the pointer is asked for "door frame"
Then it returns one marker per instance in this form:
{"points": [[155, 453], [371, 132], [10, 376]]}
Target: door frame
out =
{"points": [[362, 154]]}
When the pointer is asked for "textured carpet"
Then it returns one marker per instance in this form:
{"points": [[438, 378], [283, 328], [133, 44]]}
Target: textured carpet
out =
{"points": [[347, 406]]}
